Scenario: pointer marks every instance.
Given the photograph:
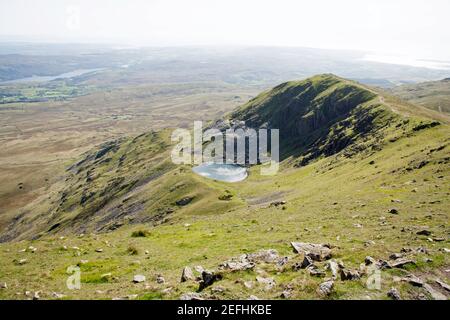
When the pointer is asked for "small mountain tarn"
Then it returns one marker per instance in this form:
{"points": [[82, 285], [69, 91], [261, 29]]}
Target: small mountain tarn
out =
{"points": [[221, 171]]}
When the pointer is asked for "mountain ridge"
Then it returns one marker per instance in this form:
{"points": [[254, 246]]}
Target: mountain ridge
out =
{"points": [[319, 117]]}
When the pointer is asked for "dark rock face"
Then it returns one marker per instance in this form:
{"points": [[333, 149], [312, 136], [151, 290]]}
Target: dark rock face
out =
{"points": [[424, 233], [313, 116], [208, 278], [184, 201]]}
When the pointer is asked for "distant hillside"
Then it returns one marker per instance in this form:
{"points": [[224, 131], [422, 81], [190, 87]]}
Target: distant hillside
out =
{"points": [[433, 94], [323, 115]]}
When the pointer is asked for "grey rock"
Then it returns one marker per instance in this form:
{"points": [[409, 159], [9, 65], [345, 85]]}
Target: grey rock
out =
{"points": [[3, 285], [218, 289], [315, 271], [400, 263], [307, 261], [191, 296], [286, 294], [349, 274], [317, 252], [160, 279], [395, 256], [411, 279], [333, 267], [436, 295], [57, 295], [326, 288], [268, 282], [237, 265], [369, 261], [267, 256], [443, 285], [383, 264], [393, 294], [187, 274], [138, 278]]}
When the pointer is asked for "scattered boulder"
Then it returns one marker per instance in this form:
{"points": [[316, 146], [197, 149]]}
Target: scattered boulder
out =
{"points": [[267, 256], [252, 297], [57, 295], [160, 279], [3, 285], [99, 250], [393, 211], [268, 282], [383, 264], [436, 295], [237, 265], [411, 279], [282, 261], [369, 261], [286, 294], [208, 278], [21, 262], [248, 284], [333, 267], [326, 288], [248, 261], [184, 201], [315, 271], [423, 232], [191, 296], [393, 294], [138, 278], [317, 252], [187, 274], [31, 249], [277, 203], [218, 289], [441, 283], [400, 263], [307, 261], [349, 274], [395, 256]]}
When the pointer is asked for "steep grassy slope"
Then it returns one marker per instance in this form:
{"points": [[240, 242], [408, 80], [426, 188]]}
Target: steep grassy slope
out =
{"points": [[431, 94], [362, 156], [126, 181]]}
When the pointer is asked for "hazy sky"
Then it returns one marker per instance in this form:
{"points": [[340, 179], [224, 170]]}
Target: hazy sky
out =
{"points": [[417, 28]]}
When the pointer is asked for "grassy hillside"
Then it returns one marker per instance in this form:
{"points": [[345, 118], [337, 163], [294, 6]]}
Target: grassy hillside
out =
{"points": [[432, 94], [364, 173]]}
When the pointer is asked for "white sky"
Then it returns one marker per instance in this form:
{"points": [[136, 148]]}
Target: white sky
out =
{"points": [[417, 28]]}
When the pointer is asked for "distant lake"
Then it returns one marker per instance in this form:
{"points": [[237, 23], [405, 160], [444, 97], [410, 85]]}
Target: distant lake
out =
{"points": [[71, 74], [221, 172]]}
